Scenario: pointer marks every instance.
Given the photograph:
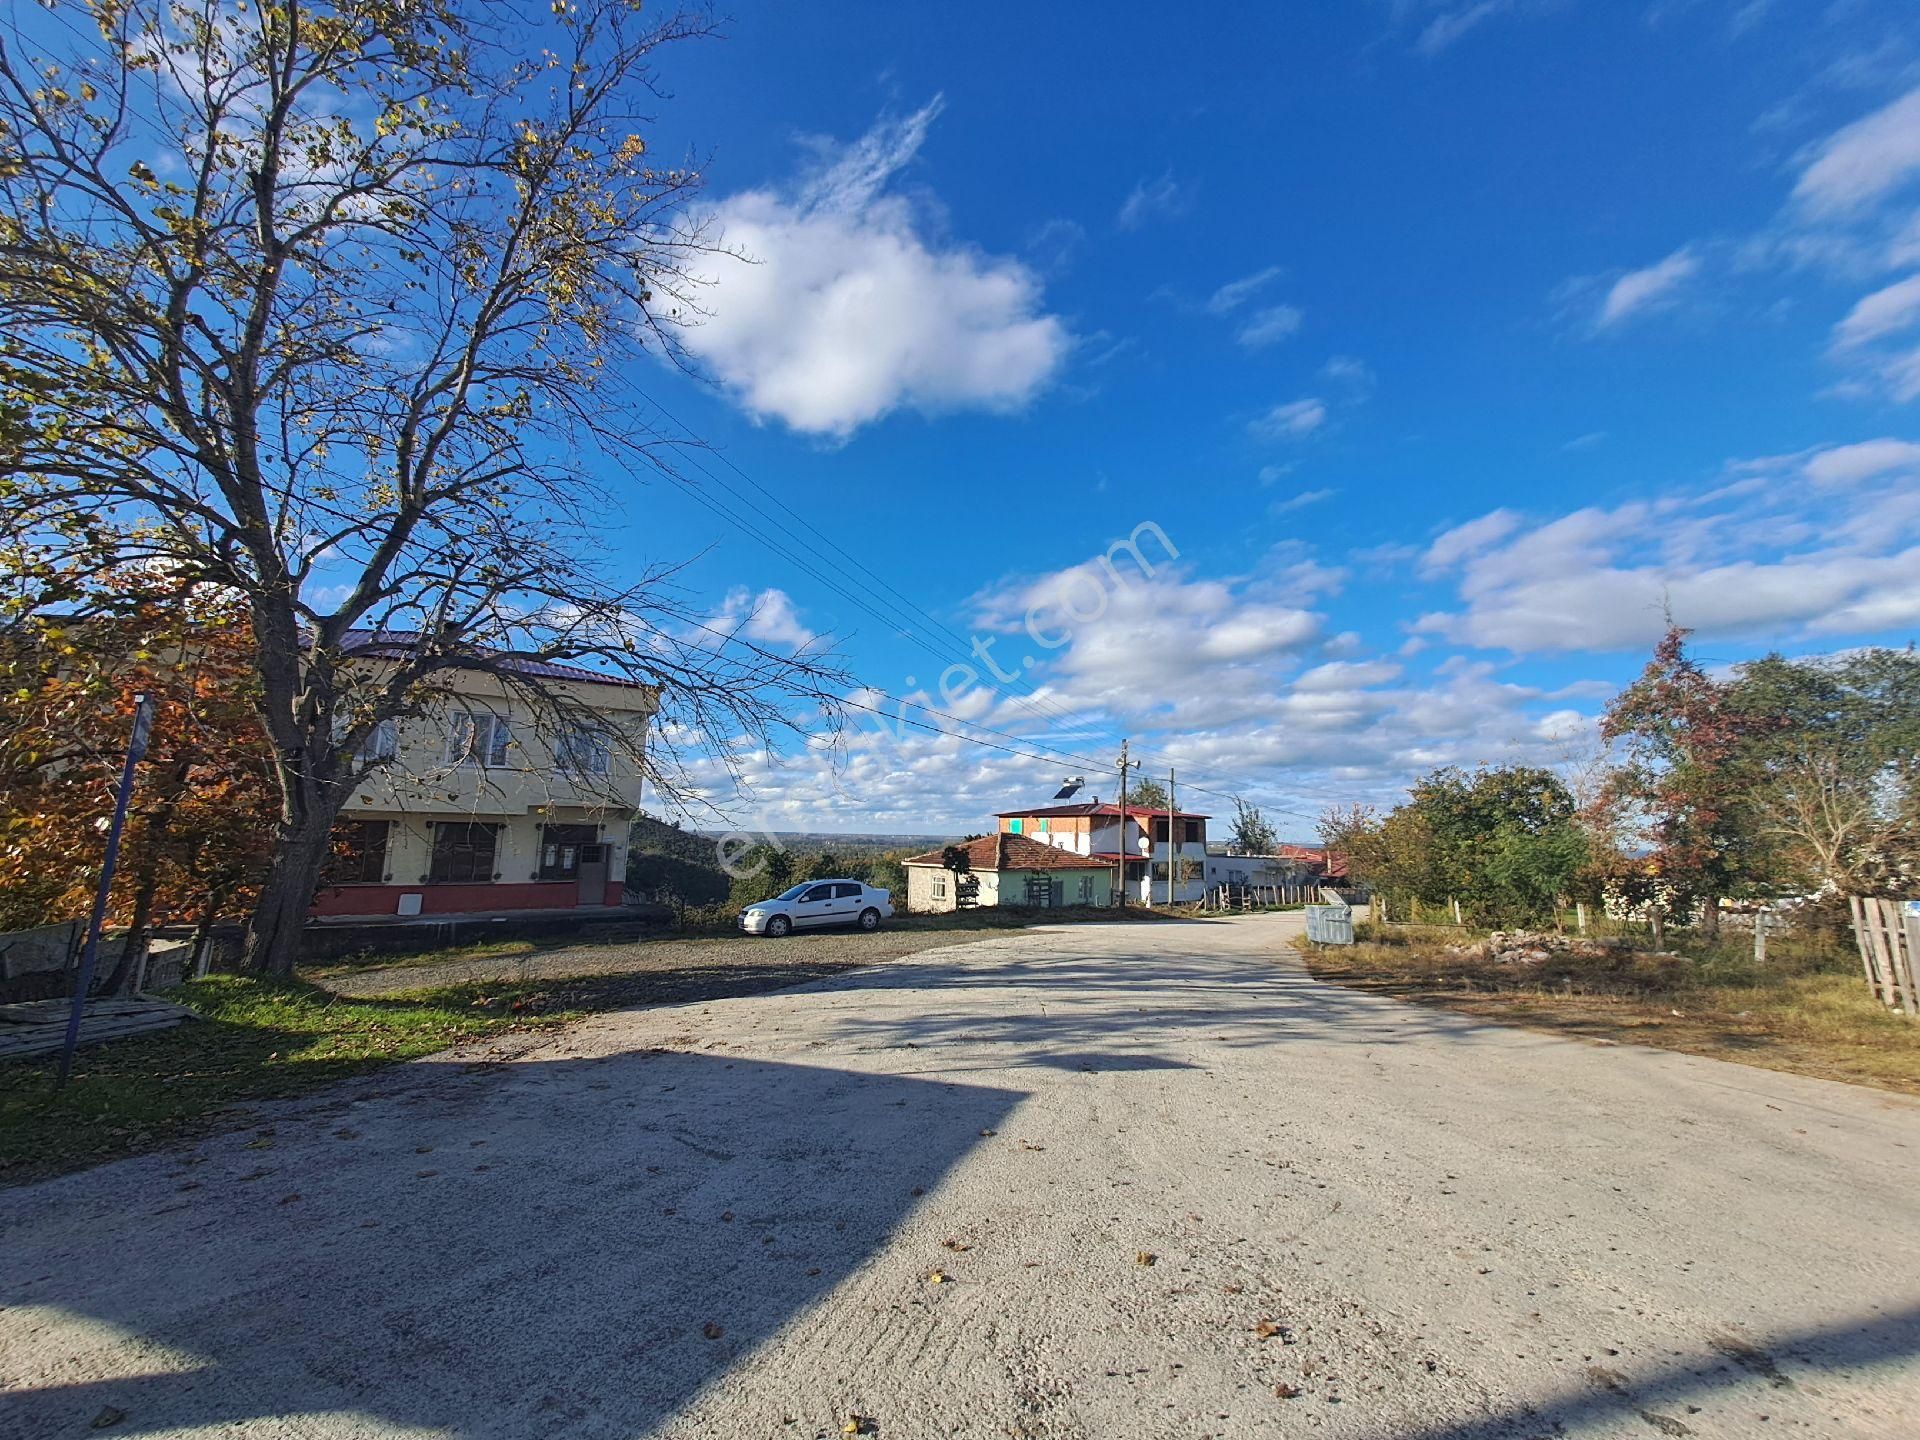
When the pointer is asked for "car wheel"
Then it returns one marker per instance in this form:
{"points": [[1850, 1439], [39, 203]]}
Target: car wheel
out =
{"points": [[778, 926], [869, 919]]}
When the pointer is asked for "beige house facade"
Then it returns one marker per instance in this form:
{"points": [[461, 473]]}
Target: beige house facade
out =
{"points": [[481, 805]]}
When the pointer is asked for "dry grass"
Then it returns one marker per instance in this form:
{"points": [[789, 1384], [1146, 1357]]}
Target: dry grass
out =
{"points": [[1807, 1010]]}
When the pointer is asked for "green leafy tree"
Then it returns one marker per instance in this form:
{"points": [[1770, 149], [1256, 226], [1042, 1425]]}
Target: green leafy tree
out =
{"points": [[1687, 774], [1148, 794], [1251, 834]]}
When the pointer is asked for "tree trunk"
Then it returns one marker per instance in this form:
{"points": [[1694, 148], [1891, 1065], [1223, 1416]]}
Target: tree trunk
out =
{"points": [[272, 944], [133, 950]]}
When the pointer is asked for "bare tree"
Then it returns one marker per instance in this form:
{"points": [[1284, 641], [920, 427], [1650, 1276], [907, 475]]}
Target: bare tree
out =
{"points": [[341, 305], [1828, 809]]}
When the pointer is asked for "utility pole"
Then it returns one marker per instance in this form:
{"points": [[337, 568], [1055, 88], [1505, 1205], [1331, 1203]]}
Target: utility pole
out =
{"points": [[1123, 824], [1171, 844]]}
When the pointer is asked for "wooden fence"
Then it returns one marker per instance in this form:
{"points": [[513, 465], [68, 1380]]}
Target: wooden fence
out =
{"points": [[1230, 896], [1889, 935]]}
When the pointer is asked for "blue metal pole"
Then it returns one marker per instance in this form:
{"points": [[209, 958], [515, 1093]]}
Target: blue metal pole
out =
{"points": [[136, 747]]}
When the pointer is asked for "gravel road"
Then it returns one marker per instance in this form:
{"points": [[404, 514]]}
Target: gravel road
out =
{"points": [[1170, 1186], [715, 962]]}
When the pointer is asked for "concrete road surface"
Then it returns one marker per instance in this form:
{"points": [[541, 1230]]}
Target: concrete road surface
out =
{"points": [[1170, 1185]]}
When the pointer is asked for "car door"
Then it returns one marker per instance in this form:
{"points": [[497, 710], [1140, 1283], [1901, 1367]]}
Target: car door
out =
{"points": [[814, 907], [848, 901]]}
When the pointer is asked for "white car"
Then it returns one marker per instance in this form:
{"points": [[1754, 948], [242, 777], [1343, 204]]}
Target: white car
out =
{"points": [[819, 902]]}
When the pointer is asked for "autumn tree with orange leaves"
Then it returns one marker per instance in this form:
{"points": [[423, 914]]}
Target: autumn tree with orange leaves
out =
{"points": [[201, 820]]}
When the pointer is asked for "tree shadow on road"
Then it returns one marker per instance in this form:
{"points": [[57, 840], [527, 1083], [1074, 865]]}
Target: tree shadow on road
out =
{"points": [[1728, 1372], [575, 1246]]}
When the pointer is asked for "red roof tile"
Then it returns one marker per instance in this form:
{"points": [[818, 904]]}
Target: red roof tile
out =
{"points": [[1014, 852]]}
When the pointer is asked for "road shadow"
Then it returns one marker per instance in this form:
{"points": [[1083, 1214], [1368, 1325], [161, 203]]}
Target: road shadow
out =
{"points": [[1729, 1371], [1127, 1008], [575, 1246]]}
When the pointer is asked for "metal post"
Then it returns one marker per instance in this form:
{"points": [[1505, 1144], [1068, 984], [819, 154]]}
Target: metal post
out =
{"points": [[1170, 843], [136, 747], [1123, 824]]}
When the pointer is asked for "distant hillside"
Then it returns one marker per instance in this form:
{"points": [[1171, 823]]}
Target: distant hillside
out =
{"points": [[663, 859], [804, 841]]}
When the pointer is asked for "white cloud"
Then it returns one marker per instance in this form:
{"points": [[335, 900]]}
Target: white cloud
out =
{"points": [[1867, 460], [1748, 559], [1300, 501], [1157, 198], [844, 308], [1864, 162], [1235, 293], [1269, 326], [1352, 372], [1650, 288], [1884, 312], [1465, 541], [1444, 29], [1293, 420], [768, 618]]}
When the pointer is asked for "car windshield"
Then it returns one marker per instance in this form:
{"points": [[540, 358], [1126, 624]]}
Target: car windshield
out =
{"points": [[794, 892]]}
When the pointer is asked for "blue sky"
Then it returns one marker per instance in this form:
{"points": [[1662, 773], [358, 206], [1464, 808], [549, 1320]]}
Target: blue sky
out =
{"points": [[1446, 342]]}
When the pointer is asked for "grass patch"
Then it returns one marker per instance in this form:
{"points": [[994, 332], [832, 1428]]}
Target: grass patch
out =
{"points": [[258, 1040], [1806, 1010]]}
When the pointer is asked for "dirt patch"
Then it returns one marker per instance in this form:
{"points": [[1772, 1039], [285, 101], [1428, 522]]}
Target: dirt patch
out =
{"points": [[1820, 1023]]}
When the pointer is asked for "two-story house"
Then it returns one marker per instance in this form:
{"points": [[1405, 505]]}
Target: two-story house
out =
{"points": [[1142, 845], [479, 807]]}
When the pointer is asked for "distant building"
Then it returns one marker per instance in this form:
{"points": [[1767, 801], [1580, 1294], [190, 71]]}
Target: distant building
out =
{"points": [[1138, 843], [1008, 869]]}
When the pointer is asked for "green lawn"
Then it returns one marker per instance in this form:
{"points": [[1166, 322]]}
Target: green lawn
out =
{"points": [[258, 1040]]}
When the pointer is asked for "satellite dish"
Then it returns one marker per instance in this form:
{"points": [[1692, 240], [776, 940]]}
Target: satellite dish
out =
{"points": [[1069, 785]]}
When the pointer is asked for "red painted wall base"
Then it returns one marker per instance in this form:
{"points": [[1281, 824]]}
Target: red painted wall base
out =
{"points": [[458, 899]]}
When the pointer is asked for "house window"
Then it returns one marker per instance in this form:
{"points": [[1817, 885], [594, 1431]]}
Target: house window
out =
{"points": [[382, 742], [1045, 826], [583, 750], [478, 739], [359, 853], [463, 853], [1086, 889], [560, 847], [1192, 836], [940, 887], [1160, 830], [1014, 827]]}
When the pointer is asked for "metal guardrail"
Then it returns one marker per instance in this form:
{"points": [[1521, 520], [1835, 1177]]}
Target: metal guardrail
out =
{"points": [[1330, 924]]}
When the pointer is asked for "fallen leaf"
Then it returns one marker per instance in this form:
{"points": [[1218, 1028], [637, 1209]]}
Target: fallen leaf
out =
{"points": [[712, 1331], [1286, 1392], [108, 1415], [289, 1199], [937, 1277], [1266, 1329], [860, 1425], [1146, 1257], [958, 1246]]}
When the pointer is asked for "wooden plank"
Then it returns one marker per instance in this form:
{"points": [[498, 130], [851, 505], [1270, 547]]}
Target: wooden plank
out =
{"points": [[1863, 939]]}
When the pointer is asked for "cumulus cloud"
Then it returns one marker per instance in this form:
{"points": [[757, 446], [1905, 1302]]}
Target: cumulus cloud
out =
{"points": [[1865, 162], [1291, 421], [767, 618], [844, 306], [1730, 561], [1867, 460], [1884, 312], [1639, 291]]}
